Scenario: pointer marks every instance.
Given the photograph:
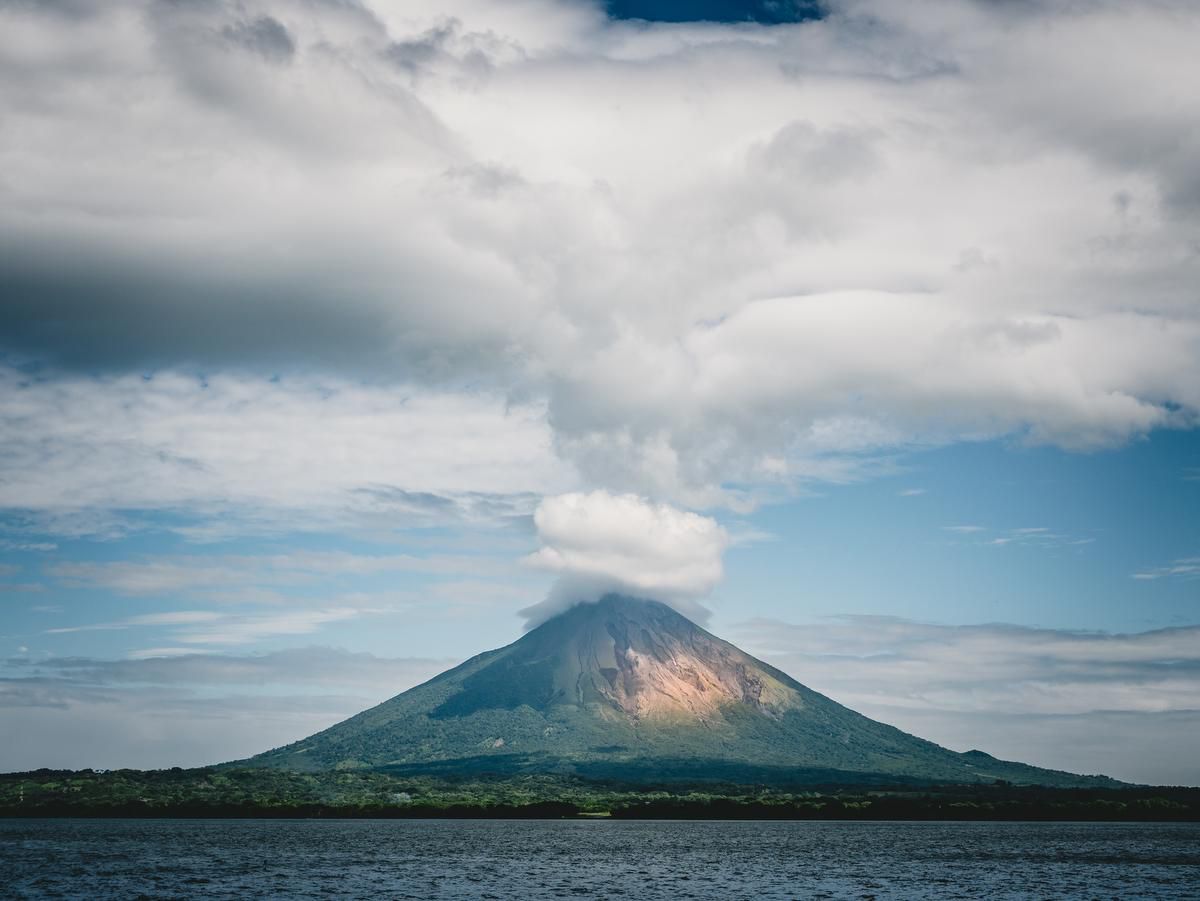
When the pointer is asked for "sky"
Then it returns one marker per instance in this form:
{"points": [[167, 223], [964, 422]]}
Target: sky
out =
{"points": [[341, 340]]}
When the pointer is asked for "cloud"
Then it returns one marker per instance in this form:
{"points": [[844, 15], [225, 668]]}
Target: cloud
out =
{"points": [[1027, 536], [7, 544], [160, 711], [257, 453], [8, 570], [215, 573], [706, 301], [599, 543], [59, 724], [1139, 747], [187, 666], [1183, 568], [206, 627], [21, 587], [265, 584], [264, 36], [998, 686], [1040, 536]]}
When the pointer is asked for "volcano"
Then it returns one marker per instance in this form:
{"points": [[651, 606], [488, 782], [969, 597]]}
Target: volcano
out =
{"points": [[630, 689]]}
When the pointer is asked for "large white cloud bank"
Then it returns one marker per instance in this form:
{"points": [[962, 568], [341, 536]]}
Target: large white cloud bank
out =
{"points": [[718, 255]]}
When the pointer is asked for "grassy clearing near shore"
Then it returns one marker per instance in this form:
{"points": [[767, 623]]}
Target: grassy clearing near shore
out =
{"points": [[212, 792]]}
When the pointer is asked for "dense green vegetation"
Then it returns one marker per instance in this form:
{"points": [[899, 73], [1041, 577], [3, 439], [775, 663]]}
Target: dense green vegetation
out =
{"points": [[222, 792]]}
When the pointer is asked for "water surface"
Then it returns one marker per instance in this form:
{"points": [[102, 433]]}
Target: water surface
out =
{"points": [[594, 859]]}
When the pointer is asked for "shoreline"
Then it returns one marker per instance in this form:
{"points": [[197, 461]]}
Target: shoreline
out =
{"points": [[263, 794], [333, 814]]}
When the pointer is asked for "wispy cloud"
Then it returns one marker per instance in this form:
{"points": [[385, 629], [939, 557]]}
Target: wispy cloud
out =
{"points": [[155, 653], [1183, 568], [8, 544], [176, 706], [259, 577], [188, 666], [911, 492], [356, 455], [1028, 536], [213, 628], [1001, 683], [60, 722], [991, 667], [21, 587], [175, 618]]}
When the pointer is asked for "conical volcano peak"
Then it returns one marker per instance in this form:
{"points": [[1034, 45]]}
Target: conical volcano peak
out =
{"points": [[630, 688], [614, 609], [611, 604], [644, 659]]}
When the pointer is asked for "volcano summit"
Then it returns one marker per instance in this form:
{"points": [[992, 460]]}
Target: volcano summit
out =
{"points": [[630, 689]]}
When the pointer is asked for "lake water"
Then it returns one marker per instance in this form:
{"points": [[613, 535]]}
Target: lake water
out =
{"points": [[594, 859]]}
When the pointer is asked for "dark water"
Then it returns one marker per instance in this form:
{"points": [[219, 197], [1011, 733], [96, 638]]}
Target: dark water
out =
{"points": [[594, 859]]}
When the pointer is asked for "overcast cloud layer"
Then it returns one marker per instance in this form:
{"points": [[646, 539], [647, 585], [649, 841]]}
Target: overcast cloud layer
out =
{"points": [[725, 258]]}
